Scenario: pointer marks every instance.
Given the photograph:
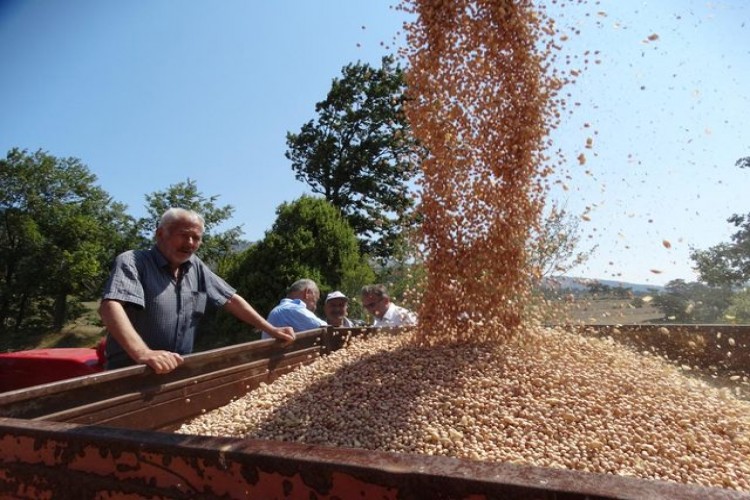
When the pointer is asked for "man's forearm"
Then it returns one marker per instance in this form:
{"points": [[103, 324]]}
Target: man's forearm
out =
{"points": [[243, 311], [118, 325]]}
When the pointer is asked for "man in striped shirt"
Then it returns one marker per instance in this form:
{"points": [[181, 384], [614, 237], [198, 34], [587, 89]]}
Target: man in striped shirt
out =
{"points": [[154, 299]]}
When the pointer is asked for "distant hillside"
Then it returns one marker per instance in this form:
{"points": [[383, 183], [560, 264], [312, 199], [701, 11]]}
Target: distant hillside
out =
{"points": [[583, 284]]}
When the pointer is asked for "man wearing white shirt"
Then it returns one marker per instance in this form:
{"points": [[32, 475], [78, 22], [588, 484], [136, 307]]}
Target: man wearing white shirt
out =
{"points": [[377, 302]]}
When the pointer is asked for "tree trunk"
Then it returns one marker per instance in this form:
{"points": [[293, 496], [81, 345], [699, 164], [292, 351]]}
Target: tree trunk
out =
{"points": [[21, 313], [60, 311]]}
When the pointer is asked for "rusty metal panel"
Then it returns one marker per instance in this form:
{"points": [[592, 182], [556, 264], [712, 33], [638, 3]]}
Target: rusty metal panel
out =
{"points": [[43, 459], [705, 346]]}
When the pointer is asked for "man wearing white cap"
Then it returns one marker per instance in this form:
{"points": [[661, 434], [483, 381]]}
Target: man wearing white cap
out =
{"points": [[335, 309]]}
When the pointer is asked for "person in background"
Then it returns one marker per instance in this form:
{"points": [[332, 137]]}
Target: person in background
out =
{"points": [[336, 310], [376, 301], [154, 299], [297, 310]]}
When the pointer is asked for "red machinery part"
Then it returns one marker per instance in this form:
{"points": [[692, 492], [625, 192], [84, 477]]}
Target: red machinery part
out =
{"points": [[41, 366]]}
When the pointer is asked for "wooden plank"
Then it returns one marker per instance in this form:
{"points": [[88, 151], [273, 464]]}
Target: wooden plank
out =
{"points": [[168, 405], [140, 382]]}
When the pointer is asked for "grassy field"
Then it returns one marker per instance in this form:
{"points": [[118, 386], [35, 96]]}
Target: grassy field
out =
{"points": [[86, 331], [608, 312]]}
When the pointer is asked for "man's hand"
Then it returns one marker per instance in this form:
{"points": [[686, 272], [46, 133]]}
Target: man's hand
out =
{"points": [[285, 334], [159, 361]]}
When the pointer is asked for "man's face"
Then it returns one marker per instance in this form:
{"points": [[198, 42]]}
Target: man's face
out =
{"points": [[377, 306], [336, 310], [311, 299], [179, 241]]}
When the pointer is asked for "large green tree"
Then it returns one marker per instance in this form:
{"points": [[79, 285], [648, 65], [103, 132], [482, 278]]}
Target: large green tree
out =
{"points": [[693, 302], [727, 263], [359, 152], [218, 246], [58, 234], [739, 308], [309, 239]]}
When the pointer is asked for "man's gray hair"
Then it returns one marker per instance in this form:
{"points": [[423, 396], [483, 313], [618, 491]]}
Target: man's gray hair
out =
{"points": [[175, 214], [379, 290], [302, 285]]}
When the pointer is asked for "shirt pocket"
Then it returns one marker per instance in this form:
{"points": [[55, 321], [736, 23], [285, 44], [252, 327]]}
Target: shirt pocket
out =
{"points": [[199, 304]]}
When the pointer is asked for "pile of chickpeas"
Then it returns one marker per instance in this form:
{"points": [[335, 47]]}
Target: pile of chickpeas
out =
{"points": [[548, 398]]}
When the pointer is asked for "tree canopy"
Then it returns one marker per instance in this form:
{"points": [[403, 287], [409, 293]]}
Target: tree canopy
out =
{"points": [[727, 263], [739, 308], [693, 302], [59, 232], [553, 248], [309, 239], [217, 245], [359, 152]]}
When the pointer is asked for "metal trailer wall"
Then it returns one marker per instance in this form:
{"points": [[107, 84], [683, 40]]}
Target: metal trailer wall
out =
{"points": [[103, 436]]}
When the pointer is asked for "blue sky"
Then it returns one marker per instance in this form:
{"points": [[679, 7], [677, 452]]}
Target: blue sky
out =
{"points": [[669, 118], [149, 94]]}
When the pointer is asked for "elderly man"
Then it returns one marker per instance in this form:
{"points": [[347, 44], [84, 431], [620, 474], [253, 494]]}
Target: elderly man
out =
{"points": [[154, 299], [297, 310], [376, 301], [335, 309]]}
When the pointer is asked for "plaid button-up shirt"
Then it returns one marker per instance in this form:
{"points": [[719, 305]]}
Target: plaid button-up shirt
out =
{"points": [[163, 310]]}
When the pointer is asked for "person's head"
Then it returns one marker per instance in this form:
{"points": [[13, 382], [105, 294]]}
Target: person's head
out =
{"points": [[335, 308], [179, 235], [307, 291], [375, 299]]}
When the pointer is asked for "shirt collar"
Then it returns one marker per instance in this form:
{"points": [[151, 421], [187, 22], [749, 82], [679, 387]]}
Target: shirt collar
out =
{"points": [[293, 301], [162, 261]]}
